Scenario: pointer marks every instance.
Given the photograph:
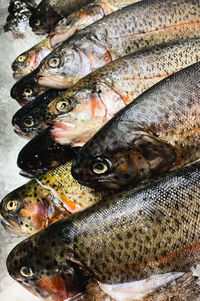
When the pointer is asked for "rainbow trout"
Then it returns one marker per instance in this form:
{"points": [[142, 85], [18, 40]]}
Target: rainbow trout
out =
{"points": [[134, 235], [119, 34], [95, 46], [42, 201], [43, 153], [27, 89], [49, 12], [79, 112], [157, 132], [30, 119], [30, 59]]}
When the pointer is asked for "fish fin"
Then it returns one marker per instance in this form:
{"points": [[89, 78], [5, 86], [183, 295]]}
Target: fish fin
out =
{"points": [[138, 289], [157, 155]]}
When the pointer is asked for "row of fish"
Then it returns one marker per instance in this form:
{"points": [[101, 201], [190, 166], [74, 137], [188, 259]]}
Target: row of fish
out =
{"points": [[85, 87]]}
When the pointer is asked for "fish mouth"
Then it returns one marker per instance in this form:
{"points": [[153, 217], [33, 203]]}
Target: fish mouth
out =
{"points": [[26, 174], [21, 133], [56, 81], [13, 229], [18, 75]]}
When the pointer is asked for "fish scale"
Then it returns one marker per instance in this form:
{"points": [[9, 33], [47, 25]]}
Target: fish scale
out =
{"points": [[160, 131], [132, 235]]}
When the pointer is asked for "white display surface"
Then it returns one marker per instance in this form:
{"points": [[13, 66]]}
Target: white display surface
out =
{"points": [[10, 145]]}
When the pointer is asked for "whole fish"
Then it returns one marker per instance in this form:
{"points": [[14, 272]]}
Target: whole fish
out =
{"points": [[134, 235], [49, 12], [43, 153], [19, 13], [27, 89], [30, 59], [156, 22], [30, 119], [42, 201], [157, 132], [79, 112]]}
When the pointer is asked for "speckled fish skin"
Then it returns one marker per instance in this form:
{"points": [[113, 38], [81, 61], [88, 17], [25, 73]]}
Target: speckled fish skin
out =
{"points": [[43, 153], [130, 236], [27, 89], [42, 201], [157, 132], [49, 12], [18, 20], [30, 59], [29, 121], [98, 96], [84, 17], [95, 46]]}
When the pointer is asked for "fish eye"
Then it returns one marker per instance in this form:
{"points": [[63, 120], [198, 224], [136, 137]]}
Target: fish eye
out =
{"points": [[26, 272], [21, 58], [28, 92], [63, 105], [101, 166], [37, 22], [12, 205], [54, 62], [29, 122]]}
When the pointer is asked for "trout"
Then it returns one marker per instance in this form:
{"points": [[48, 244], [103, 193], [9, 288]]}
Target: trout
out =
{"points": [[131, 236], [157, 132], [78, 113], [43, 153], [42, 201]]}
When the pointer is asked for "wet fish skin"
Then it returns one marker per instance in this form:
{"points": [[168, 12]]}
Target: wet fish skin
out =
{"points": [[48, 13], [97, 97], [27, 61], [94, 46], [27, 89], [66, 27], [84, 17], [42, 201], [130, 236], [157, 132], [43, 153], [18, 20], [29, 121]]}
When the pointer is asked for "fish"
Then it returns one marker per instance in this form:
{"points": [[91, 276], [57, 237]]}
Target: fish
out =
{"points": [[157, 132], [78, 113], [66, 27], [29, 120], [30, 59], [44, 200], [18, 19], [94, 46], [82, 18], [185, 287], [130, 236], [27, 89], [49, 12], [41, 154]]}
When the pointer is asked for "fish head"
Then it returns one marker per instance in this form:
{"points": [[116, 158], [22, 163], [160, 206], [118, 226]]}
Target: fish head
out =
{"points": [[40, 263], [114, 158], [27, 209], [27, 89], [17, 23], [43, 153], [29, 60], [43, 19], [61, 68], [29, 120]]}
